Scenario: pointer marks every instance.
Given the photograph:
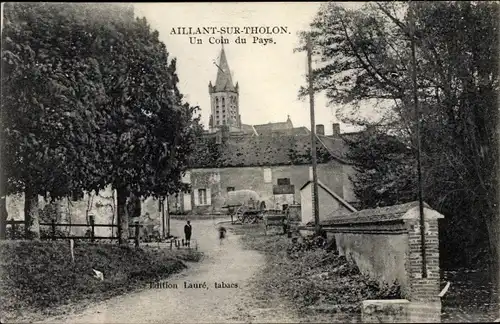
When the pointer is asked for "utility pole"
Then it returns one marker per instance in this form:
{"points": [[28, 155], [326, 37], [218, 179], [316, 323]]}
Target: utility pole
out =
{"points": [[313, 137], [417, 132]]}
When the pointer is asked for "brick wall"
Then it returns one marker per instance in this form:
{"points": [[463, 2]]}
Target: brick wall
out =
{"points": [[424, 288], [385, 244]]}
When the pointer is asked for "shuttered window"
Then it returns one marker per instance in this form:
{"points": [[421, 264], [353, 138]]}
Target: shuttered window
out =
{"points": [[202, 197]]}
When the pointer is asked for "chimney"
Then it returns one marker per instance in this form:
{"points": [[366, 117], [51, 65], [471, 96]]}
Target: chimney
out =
{"points": [[336, 130], [320, 129]]}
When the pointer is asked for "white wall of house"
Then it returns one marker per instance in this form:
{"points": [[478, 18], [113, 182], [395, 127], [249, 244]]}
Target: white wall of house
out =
{"points": [[328, 203], [187, 202], [348, 188], [283, 199]]}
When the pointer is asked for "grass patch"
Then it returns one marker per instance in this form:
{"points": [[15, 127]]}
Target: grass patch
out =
{"points": [[309, 277], [37, 276]]}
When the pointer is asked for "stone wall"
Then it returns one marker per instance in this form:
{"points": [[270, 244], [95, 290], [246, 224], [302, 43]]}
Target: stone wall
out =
{"points": [[102, 206], [385, 244], [260, 179]]}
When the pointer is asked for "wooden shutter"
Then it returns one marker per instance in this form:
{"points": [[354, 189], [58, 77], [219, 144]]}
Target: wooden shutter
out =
{"points": [[196, 198], [209, 197]]}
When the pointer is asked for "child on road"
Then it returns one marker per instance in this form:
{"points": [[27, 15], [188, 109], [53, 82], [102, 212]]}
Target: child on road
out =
{"points": [[222, 233]]}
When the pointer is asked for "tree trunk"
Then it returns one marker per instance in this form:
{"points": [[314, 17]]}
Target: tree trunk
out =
{"points": [[495, 262], [3, 218], [122, 215], [493, 226], [133, 205], [31, 215]]}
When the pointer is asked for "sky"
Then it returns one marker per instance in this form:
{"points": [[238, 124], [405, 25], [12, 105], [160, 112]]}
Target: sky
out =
{"points": [[269, 75]]}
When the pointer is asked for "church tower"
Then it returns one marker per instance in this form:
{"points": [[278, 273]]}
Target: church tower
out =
{"points": [[224, 98]]}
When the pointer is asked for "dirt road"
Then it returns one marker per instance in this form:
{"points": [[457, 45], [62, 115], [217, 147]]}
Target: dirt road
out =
{"points": [[228, 263]]}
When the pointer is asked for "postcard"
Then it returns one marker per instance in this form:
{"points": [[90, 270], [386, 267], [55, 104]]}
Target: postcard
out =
{"points": [[244, 162]]}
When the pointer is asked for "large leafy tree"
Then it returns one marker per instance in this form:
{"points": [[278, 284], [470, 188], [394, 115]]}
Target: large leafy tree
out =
{"points": [[385, 173], [135, 132], [51, 94], [364, 60], [150, 130]]}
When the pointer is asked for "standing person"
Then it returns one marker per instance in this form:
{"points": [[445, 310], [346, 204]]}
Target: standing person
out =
{"points": [[187, 232], [222, 234]]}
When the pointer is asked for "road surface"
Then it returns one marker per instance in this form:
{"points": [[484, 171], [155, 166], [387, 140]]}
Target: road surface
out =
{"points": [[228, 263]]}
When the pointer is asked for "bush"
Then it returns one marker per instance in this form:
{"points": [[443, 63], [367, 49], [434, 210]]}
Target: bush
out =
{"points": [[39, 275], [308, 273]]}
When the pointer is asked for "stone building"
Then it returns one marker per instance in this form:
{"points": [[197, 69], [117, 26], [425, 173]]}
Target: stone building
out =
{"points": [[273, 166], [272, 159]]}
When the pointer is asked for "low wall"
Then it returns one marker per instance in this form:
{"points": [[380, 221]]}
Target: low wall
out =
{"points": [[383, 256], [400, 311], [385, 245], [102, 206]]}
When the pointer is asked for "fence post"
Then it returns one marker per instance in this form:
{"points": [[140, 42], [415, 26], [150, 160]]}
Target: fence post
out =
{"points": [[14, 230], [137, 227], [53, 224], [92, 228]]}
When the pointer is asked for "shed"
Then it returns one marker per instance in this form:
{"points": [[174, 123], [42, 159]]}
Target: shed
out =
{"points": [[329, 203]]}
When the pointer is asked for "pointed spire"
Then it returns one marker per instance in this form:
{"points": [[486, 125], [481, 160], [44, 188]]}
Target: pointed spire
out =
{"points": [[224, 80]]}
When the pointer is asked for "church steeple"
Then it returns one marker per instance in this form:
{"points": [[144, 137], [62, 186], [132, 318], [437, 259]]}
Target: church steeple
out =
{"points": [[224, 97], [224, 81]]}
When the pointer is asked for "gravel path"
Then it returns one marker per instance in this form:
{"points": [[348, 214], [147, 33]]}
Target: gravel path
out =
{"points": [[228, 263]]}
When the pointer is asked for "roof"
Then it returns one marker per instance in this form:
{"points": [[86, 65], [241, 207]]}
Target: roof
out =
{"points": [[248, 129], [380, 214], [333, 194], [245, 151], [224, 81], [335, 145], [270, 127]]}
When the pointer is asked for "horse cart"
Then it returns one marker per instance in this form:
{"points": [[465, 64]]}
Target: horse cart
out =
{"points": [[245, 205], [248, 207]]}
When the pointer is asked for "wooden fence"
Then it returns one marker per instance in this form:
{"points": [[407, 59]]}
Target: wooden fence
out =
{"points": [[90, 235]]}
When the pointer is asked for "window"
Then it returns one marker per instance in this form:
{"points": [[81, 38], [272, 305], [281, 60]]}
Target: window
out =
{"points": [[230, 189], [186, 178], [217, 122], [202, 196], [267, 176], [284, 182]]}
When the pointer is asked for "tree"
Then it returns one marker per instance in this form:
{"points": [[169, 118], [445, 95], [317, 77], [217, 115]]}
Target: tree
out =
{"points": [[385, 172], [105, 108], [149, 129], [51, 93], [363, 59]]}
